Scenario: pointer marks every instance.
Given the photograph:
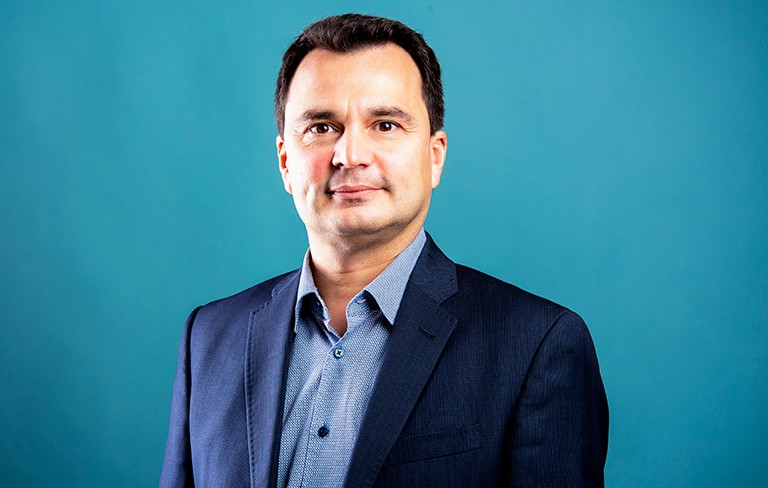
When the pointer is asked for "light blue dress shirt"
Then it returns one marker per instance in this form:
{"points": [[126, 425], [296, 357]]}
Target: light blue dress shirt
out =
{"points": [[330, 378]]}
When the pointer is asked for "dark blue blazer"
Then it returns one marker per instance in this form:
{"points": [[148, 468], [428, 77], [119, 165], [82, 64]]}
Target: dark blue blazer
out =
{"points": [[483, 384]]}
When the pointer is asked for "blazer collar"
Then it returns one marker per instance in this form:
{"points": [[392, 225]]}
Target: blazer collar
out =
{"points": [[422, 328], [270, 334]]}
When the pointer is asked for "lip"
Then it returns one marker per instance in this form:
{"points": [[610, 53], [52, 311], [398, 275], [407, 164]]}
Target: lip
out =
{"points": [[353, 191]]}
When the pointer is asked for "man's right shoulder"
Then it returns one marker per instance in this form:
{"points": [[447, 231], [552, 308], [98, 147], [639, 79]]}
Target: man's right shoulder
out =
{"points": [[250, 299]]}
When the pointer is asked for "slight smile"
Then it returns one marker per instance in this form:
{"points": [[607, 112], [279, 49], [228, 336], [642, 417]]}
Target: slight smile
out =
{"points": [[353, 191]]}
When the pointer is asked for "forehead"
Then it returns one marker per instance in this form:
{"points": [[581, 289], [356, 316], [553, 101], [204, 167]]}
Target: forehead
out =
{"points": [[384, 74]]}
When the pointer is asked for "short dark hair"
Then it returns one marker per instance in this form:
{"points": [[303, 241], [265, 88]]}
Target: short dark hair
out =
{"points": [[350, 32]]}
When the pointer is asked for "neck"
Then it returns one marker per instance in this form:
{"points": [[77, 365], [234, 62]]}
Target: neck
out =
{"points": [[343, 267]]}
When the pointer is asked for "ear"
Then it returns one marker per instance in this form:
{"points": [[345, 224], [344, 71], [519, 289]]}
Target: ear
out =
{"points": [[282, 160], [438, 148]]}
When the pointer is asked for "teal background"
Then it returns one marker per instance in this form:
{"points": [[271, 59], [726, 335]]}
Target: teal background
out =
{"points": [[611, 156]]}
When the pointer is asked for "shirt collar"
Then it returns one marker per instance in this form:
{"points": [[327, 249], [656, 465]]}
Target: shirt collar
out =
{"points": [[387, 289]]}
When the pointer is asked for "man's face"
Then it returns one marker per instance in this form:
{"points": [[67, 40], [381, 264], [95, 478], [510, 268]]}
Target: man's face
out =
{"points": [[357, 154]]}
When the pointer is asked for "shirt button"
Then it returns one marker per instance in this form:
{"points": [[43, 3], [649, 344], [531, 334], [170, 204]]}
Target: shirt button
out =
{"points": [[338, 353], [323, 431]]}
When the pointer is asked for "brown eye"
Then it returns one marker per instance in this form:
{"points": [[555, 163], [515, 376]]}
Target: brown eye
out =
{"points": [[386, 126], [321, 128]]}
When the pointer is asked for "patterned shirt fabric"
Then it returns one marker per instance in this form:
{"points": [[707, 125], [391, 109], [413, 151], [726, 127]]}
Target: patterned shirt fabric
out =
{"points": [[330, 378]]}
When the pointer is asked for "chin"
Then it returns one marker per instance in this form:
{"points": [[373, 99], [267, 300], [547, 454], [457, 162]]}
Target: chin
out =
{"points": [[358, 230], [359, 227], [364, 224]]}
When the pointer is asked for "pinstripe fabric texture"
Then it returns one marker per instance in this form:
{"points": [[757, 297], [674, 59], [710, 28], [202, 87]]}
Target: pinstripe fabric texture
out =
{"points": [[330, 378]]}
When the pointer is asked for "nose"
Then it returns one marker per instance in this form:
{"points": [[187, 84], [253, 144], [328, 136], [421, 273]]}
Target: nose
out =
{"points": [[352, 149]]}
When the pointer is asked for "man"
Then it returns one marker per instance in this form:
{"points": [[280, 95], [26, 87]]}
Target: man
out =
{"points": [[380, 362]]}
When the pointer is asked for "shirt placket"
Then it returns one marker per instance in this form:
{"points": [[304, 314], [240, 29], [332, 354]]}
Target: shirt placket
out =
{"points": [[327, 420]]}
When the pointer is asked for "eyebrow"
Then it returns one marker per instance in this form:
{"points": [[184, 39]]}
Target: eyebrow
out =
{"points": [[311, 115], [392, 112]]}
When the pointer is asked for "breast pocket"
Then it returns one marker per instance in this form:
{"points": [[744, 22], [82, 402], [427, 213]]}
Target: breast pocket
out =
{"points": [[433, 445]]}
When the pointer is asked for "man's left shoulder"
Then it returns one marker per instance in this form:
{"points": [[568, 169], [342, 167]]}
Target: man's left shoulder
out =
{"points": [[494, 303], [478, 286]]}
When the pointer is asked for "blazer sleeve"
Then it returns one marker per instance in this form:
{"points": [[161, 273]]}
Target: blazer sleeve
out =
{"points": [[177, 464], [560, 431]]}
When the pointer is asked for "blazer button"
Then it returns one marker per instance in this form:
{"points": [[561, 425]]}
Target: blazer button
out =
{"points": [[323, 431]]}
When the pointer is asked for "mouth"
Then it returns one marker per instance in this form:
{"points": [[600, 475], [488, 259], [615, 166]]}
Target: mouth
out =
{"points": [[353, 191]]}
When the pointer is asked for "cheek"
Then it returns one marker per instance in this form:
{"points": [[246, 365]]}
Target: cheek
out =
{"points": [[311, 168], [426, 169]]}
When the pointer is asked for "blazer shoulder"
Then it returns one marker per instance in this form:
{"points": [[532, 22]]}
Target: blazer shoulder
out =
{"points": [[509, 302], [501, 292], [252, 298]]}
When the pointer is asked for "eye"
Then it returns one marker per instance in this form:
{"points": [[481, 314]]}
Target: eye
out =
{"points": [[386, 126], [321, 128]]}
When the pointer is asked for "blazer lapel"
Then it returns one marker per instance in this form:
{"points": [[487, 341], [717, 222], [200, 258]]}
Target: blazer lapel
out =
{"points": [[270, 333], [419, 334]]}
